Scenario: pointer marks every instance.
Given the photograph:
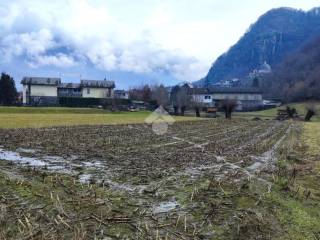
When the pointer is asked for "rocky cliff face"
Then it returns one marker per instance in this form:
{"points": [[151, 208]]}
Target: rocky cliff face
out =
{"points": [[271, 39], [297, 78]]}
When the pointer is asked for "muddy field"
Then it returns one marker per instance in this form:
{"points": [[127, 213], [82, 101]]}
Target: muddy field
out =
{"points": [[201, 180]]}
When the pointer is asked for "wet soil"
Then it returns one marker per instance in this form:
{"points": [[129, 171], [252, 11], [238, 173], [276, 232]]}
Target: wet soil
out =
{"points": [[201, 180]]}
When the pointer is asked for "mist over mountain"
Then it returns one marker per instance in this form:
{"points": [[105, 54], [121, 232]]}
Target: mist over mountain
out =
{"points": [[277, 34]]}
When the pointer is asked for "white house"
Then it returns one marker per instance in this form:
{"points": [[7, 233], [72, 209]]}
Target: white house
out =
{"points": [[97, 89], [246, 98], [40, 89], [201, 95], [47, 91]]}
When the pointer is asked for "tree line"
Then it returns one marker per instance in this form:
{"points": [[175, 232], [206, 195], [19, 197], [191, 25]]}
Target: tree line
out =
{"points": [[179, 97]]}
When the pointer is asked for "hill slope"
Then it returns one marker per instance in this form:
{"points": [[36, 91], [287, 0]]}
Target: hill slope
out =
{"points": [[276, 34], [298, 77]]}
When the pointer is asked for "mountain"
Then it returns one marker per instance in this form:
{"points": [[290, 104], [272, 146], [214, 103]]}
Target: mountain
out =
{"points": [[276, 34], [298, 77]]}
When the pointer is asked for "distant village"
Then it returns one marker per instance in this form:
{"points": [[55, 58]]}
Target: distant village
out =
{"points": [[42, 91]]}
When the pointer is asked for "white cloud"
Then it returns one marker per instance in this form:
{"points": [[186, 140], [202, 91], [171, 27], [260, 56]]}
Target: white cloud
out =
{"points": [[59, 60], [31, 44], [181, 38], [92, 34], [34, 47]]}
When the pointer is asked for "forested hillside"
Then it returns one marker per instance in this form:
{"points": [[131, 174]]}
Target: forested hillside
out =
{"points": [[298, 77], [275, 35]]}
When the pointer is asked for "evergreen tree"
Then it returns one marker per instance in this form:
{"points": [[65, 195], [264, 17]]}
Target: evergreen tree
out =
{"points": [[8, 91]]}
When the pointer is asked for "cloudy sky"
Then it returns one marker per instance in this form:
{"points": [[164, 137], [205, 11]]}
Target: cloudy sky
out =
{"points": [[133, 42]]}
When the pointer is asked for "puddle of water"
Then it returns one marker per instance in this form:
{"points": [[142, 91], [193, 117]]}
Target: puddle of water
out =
{"points": [[220, 159], [16, 157], [61, 169], [85, 178], [95, 164], [255, 166], [51, 163], [165, 207], [25, 150]]}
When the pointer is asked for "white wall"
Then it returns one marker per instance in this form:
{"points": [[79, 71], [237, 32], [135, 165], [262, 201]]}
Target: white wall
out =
{"points": [[238, 96], [97, 92], [201, 98], [24, 94], [43, 91]]}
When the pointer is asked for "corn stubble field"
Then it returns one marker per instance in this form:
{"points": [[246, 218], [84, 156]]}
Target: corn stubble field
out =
{"points": [[209, 179]]}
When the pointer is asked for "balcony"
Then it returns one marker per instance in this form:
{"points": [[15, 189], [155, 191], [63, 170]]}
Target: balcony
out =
{"points": [[69, 93]]}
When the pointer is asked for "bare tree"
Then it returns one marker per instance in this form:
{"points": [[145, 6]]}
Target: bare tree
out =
{"points": [[141, 93], [161, 95], [228, 106], [291, 112], [196, 104], [183, 100], [173, 99], [311, 111]]}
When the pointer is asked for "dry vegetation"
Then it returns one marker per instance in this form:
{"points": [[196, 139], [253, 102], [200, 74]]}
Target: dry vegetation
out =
{"points": [[202, 180]]}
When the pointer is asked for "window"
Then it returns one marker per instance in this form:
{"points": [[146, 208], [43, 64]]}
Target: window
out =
{"points": [[207, 97], [88, 90]]}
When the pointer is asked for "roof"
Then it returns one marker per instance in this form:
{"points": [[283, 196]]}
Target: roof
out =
{"points": [[120, 91], [97, 83], [199, 91], [41, 81], [212, 90], [69, 85], [235, 90], [57, 82]]}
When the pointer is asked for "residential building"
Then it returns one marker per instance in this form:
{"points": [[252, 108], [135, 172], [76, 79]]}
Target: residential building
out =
{"points": [[40, 91], [48, 91], [247, 98], [202, 95], [121, 94]]}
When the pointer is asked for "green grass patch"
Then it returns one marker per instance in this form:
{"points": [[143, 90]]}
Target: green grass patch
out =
{"points": [[51, 110], [311, 137], [295, 201], [272, 113], [299, 219], [36, 120]]}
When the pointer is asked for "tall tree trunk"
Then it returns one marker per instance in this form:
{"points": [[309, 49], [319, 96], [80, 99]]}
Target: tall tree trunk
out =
{"points": [[182, 110], [197, 112], [309, 115], [175, 109], [227, 113]]}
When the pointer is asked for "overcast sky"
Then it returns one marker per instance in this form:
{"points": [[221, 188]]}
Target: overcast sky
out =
{"points": [[180, 38]]}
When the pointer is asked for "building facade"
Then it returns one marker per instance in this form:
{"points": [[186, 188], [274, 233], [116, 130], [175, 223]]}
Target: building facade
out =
{"points": [[247, 99], [47, 91], [121, 94]]}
